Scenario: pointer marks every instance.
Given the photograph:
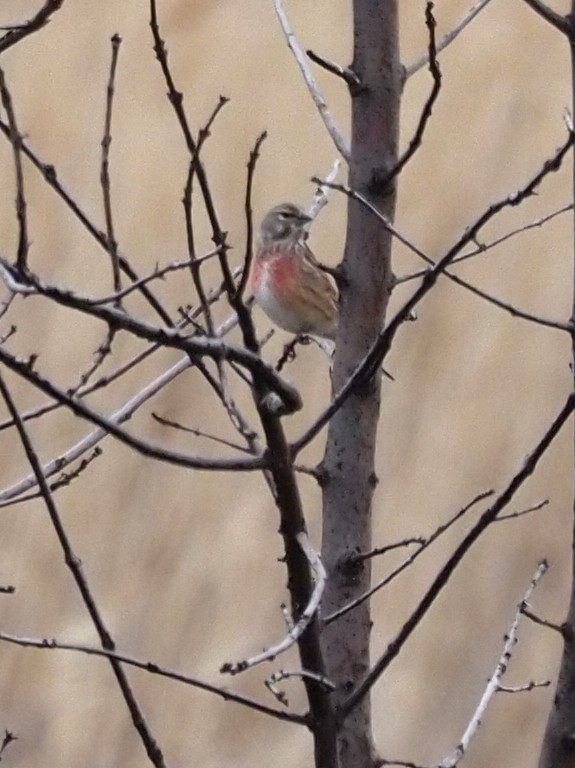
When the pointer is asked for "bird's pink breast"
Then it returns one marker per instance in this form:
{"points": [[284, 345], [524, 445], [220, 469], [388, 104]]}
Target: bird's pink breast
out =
{"points": [[273, 271]]}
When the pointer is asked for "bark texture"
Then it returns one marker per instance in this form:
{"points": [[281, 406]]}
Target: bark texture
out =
{"points": [[558, 749], [349, 459]]}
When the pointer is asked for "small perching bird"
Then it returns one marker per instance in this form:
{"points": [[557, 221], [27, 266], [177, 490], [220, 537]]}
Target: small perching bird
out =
{"points": [[286, 279]]}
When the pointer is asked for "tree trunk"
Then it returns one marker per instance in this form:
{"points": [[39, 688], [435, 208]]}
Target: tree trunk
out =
{"points": [[349, 459], [558, 750]]}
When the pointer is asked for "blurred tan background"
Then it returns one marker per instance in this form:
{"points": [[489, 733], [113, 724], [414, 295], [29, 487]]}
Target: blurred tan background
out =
{"points": [[184, 564]]}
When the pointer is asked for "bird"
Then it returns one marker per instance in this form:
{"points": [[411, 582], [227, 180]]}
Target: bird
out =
{"points": [[287, 280]]}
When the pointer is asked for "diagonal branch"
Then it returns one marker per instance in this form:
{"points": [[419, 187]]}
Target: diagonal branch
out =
{"points": [[74, 564], [488, 517], [312, 86], [555, 19], [378, 350], [50, 176], [109, 426], [254, 154], [153, 669], [494, 684], [19, 32], [296, 630], [439, 531], [514, 311], [447, 39], [195, 261]]}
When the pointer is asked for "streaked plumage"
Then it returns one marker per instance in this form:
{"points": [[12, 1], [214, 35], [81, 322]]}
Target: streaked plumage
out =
{"points": [[286, 280]]}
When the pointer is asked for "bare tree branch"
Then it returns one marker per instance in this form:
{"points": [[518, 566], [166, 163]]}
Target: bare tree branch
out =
{"points": [[346, 73], [109, 426], [254, 154], [512, 310], [482, 247], [541, 622], [74, 564], [445, 573], [50, 176], [439, 531], [187, 203], [16, 142], [19, 32], [154, 669], [417, 138], [199, 433], [555, 19], [105, 171], [447, 39], [312, 86], [303, 621], [494, 683], [376, 354], [219, 237]]}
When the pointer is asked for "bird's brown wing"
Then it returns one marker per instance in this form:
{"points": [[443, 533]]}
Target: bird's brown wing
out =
{"points": [[321, 290], [316, 278]]}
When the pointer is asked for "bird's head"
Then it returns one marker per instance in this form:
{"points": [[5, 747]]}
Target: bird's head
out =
{"points": [[284, 222]]}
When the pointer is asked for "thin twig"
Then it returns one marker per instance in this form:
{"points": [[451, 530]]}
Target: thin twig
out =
{"points": [[531, 685], [439, 531], [346, 73], [555, 19], [219, 237], [199, 433], [541, 622], [502, 501], [101, 354], [320, 197], [312, 86], [519, 513], [4, 307], [297, 629], [157, 274], [42, 17], [417, 139], [187, 203], [283, 674], [378, 551], [50, 177], [447, 39], [238, 420], [380, 347], [105, 171], [510, 308], [494, 683], [74, 564], [154, 669], [254, 154], [16, 142], [482, 247]]}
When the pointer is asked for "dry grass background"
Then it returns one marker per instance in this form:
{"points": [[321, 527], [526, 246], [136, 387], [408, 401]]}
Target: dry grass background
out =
{"points": [[183, 564]]}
